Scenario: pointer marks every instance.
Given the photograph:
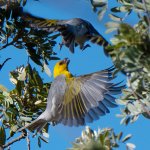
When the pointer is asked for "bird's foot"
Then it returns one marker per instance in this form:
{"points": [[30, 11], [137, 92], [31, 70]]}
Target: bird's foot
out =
{"points": [[60, 45]]}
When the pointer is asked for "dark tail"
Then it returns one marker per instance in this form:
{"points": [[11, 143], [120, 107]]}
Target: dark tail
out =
{"points": [[37, 125], [100, 40]]}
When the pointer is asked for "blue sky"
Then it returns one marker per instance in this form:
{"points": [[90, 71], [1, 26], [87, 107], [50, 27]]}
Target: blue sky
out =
{"points": [[91, 60]]}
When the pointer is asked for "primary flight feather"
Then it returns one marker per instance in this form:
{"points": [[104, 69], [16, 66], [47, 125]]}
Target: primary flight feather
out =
{"points": [[74, 101]]}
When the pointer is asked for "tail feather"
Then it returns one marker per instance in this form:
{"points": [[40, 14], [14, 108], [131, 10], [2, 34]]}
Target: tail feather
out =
{"points": [[37, 124], [100, 40]]}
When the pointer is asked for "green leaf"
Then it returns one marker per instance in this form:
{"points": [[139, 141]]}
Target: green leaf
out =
{"points": [[146, 115], [119, 136], [26, 118], [96, 3], [39, 142], [115, 18], [124, 8], [54, 58], [130, 146], [36, 60], [101, 13], [47, 70], [19, 87], [14, 128], [2, 136], [110, 30], [43, 139], [112, 25], [126, 138], [102, 138], [37, 78]]}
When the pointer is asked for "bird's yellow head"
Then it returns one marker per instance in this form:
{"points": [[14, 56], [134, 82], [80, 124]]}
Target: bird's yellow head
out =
{"points": [[61, 68]]}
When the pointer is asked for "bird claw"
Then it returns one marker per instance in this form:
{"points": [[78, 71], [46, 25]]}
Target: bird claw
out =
{"points": [[60, 45]]}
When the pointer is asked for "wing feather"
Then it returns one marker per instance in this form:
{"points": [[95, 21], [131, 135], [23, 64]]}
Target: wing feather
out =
{"points": [[88, 97]]}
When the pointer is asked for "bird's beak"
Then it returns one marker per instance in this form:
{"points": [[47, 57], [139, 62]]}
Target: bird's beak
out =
{"points": [[66, 60]]}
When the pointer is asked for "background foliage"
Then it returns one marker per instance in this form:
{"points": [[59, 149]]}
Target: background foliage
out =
{"points": [[130, 52]]}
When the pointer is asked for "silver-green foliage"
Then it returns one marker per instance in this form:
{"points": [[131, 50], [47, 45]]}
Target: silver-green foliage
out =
{"points": [[130, 51], [25, 102], [103, 139]]}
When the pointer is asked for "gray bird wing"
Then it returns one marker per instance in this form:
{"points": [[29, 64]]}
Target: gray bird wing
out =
{"points": [[88, 97]]}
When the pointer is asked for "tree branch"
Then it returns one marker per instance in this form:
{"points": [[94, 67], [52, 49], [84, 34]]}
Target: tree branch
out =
{"points": [[28, 141], [19, 34], [8, 44], [22, 136], [1, 65]]}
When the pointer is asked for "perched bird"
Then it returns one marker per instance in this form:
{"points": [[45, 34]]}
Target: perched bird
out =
{"points": [[73, 101], [74, 31]]}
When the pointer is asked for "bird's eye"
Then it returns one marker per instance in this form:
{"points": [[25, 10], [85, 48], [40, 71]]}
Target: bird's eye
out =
{"points": [[61, 63]]}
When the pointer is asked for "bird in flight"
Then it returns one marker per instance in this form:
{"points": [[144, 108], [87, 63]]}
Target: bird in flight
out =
{"points": [[75, 101], [74, 31]]}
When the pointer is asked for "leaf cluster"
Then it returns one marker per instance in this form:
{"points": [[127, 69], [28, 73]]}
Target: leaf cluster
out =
{"points": [[25, 102], [103, 139], [130, 52], [14, 31]]}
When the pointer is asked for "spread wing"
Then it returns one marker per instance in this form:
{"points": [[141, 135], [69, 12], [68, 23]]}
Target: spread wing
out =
{"points": [[52, 25], [88, 97]]}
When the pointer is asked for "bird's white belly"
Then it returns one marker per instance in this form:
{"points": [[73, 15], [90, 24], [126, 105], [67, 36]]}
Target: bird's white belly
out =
{"points": [[52, 108]]}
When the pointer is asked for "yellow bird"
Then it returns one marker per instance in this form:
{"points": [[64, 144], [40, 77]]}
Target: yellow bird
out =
{"points": [[73, 101]]}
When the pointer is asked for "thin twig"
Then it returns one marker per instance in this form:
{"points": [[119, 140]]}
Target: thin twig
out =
{"points": [[8, 44], [1, 65], [28, 141], [22, 136]]}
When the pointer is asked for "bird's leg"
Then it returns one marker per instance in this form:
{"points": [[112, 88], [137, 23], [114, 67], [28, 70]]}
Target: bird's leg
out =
{"points": [[61, 45]]}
